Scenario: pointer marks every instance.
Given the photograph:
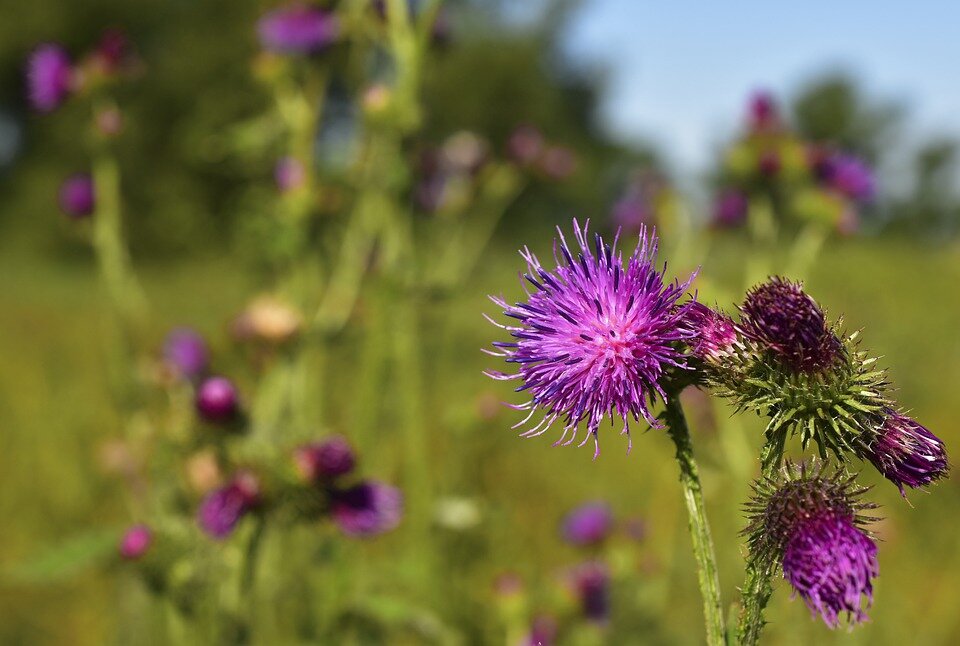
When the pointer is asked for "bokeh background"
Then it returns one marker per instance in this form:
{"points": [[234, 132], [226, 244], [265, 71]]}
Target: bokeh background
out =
{"points": [[643, 94]]}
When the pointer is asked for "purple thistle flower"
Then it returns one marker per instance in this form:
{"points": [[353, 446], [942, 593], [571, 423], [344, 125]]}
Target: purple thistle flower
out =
{"points": [[769, 164], [525, 144], [594, 339], [289, 174], [223, 508], [906, 453], [763, 113], [186, 351], [49, 77], [781, 316], [135, 542], [831, 562], [77, 196], [591, 582], [632, 211], [297, 29], [543, 632], [326, 460], [730, 209], [715, 332], [217, 400], [368, 509], [811, 524], [588, 524]]}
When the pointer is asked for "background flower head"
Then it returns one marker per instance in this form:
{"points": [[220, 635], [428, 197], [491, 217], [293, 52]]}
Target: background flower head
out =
{"points": [[49, 77], [297, 29]]}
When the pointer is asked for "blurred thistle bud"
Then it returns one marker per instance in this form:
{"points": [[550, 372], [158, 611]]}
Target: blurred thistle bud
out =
{"points": [[525, 145], [464, 153], [298, 29], [325, 460], [811, 524], [109, 122], [376, 100], [762, 112], [591, 584], [203, 471], [558, 163], [77, 196], [135, 542], [730, 209], [185, 351], [543, 632], [769, 164], [223, 508], [457, 513], [112, 55], [509, 586], [715, 332], [905, 452], [289, 174], [50, 77], [217, 400], [269, 320], [588, 524], [367, 509], [853, 178]]}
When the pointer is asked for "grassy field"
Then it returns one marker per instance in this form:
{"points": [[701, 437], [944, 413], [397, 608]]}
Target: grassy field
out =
{"points": [[55, 416]]}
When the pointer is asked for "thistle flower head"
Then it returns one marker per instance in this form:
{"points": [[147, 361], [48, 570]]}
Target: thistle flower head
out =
{"points": [[135, 542], [905, 452], [853, 178], [77, 196], [49, 77], [591, 583], [811, 524], [223, 508], [217, 400], [368, 509], [325, 460], [588, 524], [730, 209], [595, 337], [186, 352], [297, 29], [782, 317], [715, 332]]}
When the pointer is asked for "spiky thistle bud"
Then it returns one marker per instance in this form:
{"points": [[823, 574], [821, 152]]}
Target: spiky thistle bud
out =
{"points": [[905, 452], [810, 523], [792, 365], [715, 333]]}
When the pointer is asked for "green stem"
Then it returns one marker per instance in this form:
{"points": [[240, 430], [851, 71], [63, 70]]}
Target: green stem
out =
{"points": [[697, 519]]}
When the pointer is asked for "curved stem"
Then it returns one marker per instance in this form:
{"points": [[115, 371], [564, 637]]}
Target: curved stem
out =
{"points": [[697, 518]]}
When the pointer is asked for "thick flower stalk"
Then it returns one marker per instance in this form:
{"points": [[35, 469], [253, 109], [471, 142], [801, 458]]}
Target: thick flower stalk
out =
{"points": [[595, 338], [810, 524]]}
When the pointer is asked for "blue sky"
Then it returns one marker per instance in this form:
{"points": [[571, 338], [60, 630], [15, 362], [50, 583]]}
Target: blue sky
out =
{"points": [[681, 70]]}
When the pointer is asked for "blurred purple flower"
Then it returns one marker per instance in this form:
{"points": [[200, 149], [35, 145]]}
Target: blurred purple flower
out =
{"points": [[77, 196], [906, 453], [297, 29], [289, 174], [558, 162], [325, 460], [591, 582], [49, 77], [113, 51], [368, 509], [769, 164], [525, 145], [135, 542], [730, 208], [588, 524], [223, 508], [632, 212], [217, 400], [762, 111], [186, 351], [543, 632], [595, 338], [853, 178]]}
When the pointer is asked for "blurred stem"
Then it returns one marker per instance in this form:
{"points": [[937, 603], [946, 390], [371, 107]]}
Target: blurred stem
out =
{"points": [[763, 236], [703, 550], [806, 248]]}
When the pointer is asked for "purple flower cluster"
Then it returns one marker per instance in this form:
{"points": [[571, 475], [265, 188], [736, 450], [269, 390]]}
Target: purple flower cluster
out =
{"points": [[186, 352], [595, 337], [782, 317], [298, 29], [49, 77], [588, 524], [223, 508], [906, 453]]}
